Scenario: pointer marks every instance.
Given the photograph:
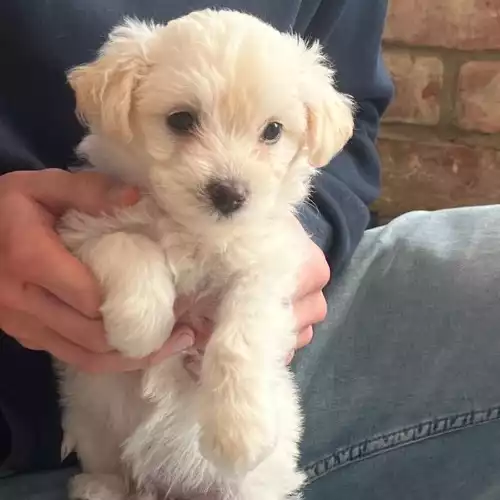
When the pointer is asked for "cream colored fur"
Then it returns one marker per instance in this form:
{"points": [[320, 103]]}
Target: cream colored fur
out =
{"points": [[234, 434]]}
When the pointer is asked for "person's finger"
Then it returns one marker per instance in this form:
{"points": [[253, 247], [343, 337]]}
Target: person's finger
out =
{"points": [[29, 332], [34, 253], [182, 338], [304, 337], [111, 363], [89, 192], [53, 268], [196, 315], [28, 344], [310, 310], [315, 273], [202, 329], [86, 361], [65, 320], [290, 357]]}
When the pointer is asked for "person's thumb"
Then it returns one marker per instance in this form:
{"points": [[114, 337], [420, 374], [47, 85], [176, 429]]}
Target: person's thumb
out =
{"points": [[181, 339], [88, 192]]}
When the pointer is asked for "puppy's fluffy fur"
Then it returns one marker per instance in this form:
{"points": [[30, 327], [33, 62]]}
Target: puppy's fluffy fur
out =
{"points": [[234, 433]]}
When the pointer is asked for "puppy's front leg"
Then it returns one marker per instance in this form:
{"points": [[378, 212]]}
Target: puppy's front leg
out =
{"points": [[138, 290], [242, 361]]}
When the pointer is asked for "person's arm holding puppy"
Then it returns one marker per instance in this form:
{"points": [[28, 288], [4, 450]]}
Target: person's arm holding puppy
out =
{"points": [[346, 187], [48, 299]]}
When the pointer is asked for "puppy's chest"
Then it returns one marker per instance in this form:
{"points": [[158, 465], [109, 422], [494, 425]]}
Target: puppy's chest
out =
{"points": [[209, 266], [195, 268]]}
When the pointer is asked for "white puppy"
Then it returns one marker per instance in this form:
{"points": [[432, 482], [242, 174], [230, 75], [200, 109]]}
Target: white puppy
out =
{"points": [[219, 119]]}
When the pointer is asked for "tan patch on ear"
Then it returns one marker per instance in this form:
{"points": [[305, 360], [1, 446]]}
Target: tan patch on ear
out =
{"points": [[330, 121], [104, 88], [104, 96], [330, 125]]}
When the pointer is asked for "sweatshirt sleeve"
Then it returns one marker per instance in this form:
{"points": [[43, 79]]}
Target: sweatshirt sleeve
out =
{"points": [[14, 153], [29, 413], [350, 32]]}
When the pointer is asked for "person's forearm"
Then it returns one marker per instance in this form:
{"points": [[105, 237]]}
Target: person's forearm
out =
{"points": [[344, 191], [350, 183]]}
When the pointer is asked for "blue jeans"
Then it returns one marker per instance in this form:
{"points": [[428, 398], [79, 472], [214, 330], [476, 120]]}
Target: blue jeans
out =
{"points": [[401, 386]]}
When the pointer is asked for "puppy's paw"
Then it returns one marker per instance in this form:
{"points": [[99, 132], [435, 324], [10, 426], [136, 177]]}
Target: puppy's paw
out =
{"points": [[97, 487], [237, 414], [145, 495], [235, 447], [138, 326], [138, 290]]}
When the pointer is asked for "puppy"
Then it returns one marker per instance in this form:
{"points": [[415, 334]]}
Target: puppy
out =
{"points": [[220, 120]]}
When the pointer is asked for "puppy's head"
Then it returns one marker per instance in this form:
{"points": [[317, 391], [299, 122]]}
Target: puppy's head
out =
{"points": [[224, 116]]}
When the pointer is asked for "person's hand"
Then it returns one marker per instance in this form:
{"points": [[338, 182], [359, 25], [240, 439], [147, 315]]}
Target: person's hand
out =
{"points": [[309, 303], [48, 299]]}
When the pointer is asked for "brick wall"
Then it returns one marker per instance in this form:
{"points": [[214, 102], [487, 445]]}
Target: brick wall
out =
{"points": [[440, 140]]}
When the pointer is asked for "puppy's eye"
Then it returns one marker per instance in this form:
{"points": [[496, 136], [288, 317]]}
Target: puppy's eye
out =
{"points": [[182, 122], [272, 133]]}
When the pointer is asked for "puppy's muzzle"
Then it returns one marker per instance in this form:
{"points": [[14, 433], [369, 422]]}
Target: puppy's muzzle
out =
{"points": [[227, 196]]}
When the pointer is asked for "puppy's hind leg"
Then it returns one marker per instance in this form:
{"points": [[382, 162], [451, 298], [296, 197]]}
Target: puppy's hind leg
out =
{"points": [[99, 452], [105, 487], [103, 478], [97, 487]]}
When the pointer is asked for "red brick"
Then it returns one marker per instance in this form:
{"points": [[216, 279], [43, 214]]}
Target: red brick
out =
{"points": [[432, 176], [418, 82], [461, 24], [478, 106]]}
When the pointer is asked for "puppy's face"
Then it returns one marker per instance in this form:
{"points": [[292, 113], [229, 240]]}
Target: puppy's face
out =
{"points": [[228, 116]]}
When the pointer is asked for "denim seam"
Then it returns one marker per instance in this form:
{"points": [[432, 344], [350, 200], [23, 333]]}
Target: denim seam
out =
{"points": [[393, 440]]}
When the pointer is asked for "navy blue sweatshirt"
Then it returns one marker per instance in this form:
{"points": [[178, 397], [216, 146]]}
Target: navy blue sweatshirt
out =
{"points": [[40, 40]]}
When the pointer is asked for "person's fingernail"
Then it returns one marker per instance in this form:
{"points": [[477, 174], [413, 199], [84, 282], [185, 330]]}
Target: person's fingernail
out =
{"points": [[183, 340], [179, 342], [123, 195]]}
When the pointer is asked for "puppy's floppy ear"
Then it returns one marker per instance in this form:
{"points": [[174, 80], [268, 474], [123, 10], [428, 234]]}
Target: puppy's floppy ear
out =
{"points": [[330, 120], [104, 88]]}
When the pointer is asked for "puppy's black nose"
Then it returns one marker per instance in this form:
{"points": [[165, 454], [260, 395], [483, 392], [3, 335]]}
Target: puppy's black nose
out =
{"points": [[227, 196]]}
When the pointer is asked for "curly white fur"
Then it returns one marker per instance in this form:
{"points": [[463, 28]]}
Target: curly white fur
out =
{"points": [[234, 434]]}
